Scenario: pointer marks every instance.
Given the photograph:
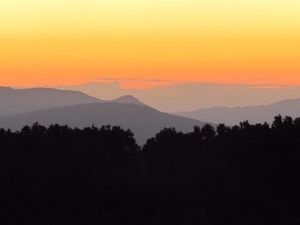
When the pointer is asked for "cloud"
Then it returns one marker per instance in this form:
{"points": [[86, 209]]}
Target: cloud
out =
{"points": [[138, 83], [134, 79]]}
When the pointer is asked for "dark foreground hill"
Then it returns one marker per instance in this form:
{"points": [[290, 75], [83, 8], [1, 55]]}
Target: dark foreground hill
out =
{"points": [[246, 174], [142, 120], [254, 114]]}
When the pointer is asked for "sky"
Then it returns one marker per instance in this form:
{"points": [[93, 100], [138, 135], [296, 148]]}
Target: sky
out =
{"points": [[149, 42]]}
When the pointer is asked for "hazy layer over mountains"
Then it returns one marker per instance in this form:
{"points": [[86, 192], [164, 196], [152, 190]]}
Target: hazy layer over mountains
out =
{"points": [[188, 97]]}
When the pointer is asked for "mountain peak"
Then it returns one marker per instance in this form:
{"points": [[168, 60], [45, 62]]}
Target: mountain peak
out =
{"points": [[128, 99]]}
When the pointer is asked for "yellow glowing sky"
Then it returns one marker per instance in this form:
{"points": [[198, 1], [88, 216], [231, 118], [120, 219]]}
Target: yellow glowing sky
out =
{"points": [[60, 42]]}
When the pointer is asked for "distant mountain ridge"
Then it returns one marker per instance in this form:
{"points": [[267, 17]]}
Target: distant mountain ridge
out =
{"points": [[144, 121], [18, 101], [184, 97], [254, 114]]}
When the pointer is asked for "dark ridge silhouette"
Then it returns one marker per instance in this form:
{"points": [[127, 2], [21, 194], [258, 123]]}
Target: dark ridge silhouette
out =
{"points": [[142, 120], [254, 114], [18, 101], [246, 174]]}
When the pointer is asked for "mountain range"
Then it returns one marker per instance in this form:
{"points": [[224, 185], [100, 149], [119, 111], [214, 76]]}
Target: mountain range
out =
{"points": [[20, 107], [75, 109], [18, 101]]}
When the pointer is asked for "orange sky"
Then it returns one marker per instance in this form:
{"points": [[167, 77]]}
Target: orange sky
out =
{"points": [[61, 42]]}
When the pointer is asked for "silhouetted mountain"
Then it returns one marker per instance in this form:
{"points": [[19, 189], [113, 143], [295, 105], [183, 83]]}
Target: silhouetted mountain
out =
{"points": [[254, 114], [128, 99], [142, 120], [17, 101]]}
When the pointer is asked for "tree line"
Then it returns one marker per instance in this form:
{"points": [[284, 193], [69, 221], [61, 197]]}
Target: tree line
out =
{"points": [[245, 174]]}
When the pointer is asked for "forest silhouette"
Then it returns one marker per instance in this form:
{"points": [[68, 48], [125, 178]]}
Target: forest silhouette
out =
{"points": [[245, 174]]}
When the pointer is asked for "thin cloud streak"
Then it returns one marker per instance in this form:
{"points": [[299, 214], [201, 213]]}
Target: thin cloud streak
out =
{"points": [[165, 82]]}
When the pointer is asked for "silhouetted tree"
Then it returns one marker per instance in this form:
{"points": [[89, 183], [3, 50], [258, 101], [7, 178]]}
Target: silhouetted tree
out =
{"points": [[245, 174]]}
